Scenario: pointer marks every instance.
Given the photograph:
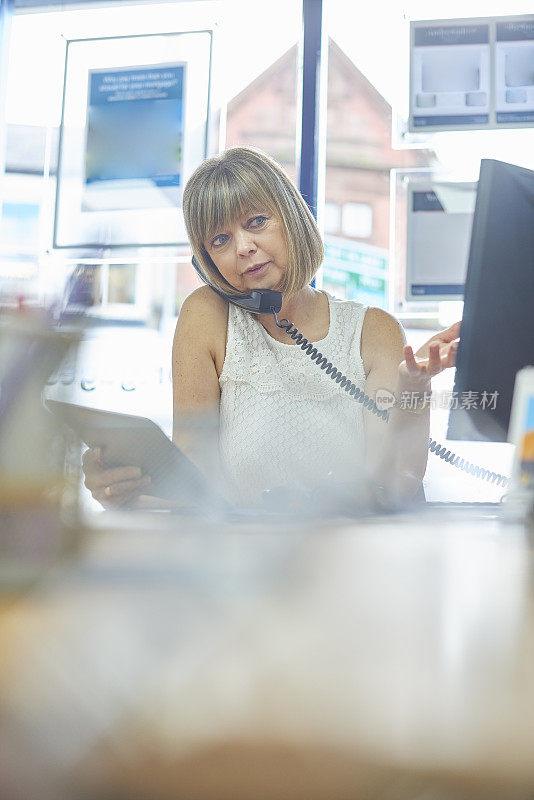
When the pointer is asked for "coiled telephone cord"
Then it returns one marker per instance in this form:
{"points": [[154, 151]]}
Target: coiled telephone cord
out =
{"points": [[367, 402]]}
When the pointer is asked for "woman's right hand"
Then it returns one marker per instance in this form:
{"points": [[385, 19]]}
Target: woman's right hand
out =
{"points": [[112, 487]]}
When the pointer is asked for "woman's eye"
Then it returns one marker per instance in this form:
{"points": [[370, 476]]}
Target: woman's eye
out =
{"points": [[257, 222], [219, 240]]}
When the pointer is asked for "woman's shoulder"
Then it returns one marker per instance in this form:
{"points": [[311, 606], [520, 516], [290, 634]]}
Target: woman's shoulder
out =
{"points": [[205, 302], [205, 310], [381, 334], [204, 318], [380, 322]]}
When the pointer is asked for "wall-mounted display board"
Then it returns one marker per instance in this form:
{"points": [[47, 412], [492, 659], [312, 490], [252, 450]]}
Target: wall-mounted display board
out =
{"points": [[431, 214], [134, 126], [439, 221], [471, 73]]}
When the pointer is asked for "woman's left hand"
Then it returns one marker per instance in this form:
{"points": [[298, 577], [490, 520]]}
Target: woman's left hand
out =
{"points": [[433, 357]]}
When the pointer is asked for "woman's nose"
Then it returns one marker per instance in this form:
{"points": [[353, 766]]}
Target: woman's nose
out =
{"points": [[245, 245]]}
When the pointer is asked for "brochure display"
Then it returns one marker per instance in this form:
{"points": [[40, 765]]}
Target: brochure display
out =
{"points": [[471, 73], [134, 126]]}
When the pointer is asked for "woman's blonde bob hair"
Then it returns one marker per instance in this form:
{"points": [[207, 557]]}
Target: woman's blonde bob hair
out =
{"points": [[237, 182]]}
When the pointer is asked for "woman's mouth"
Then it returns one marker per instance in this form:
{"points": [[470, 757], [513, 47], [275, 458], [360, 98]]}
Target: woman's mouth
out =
{"points": [[257, 269]]}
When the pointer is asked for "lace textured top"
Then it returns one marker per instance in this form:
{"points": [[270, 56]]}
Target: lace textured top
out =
{"points": [[283, 420]]}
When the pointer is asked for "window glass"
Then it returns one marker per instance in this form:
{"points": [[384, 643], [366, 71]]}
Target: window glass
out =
{"points": [[367, 98], [357, 220], [253, 101], [121, 283], [331, 218]]}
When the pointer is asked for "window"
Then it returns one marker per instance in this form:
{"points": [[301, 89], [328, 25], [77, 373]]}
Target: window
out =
{"points": [[357, 220], [332, 218]]}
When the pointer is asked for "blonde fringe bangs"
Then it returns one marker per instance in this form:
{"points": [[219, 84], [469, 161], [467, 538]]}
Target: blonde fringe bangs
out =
{"points": [[241, 181]]}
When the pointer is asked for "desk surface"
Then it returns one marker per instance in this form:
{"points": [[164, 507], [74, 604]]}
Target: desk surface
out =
{"points": [[387, 658]]}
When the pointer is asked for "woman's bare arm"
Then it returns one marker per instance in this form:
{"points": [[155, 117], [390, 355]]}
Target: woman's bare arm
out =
{"points": [[198, 355], [396, 452], [197, 359]]}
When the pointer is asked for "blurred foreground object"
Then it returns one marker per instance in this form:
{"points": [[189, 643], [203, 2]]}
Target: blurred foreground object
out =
{"points": [[520, 499], [33, 492], [383, 659]]}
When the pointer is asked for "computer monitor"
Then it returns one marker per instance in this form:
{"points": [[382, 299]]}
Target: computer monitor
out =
{"points": [[497, 336]]}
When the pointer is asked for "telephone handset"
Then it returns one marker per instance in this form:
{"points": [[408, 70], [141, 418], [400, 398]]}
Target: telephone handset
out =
{"points": [[266, 301], [257, 302]]}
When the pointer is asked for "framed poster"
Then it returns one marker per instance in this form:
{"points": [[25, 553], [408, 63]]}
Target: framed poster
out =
{"points": [[438, 236], [134, 137], [514, 72], [471, 74], [134, 126], [450, 75]]}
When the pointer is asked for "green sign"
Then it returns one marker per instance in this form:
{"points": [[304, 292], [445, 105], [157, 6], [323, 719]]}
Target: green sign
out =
{"points": [[357, 271]]}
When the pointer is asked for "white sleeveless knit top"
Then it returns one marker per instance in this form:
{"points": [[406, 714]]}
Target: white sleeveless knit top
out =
{"points": [[283, 420]]}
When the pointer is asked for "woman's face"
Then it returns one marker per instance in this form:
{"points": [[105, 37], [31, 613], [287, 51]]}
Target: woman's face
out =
{"points": [[251, 252]]}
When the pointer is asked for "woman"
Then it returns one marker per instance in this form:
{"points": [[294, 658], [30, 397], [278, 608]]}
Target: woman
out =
{"points": [[282, 421]]}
